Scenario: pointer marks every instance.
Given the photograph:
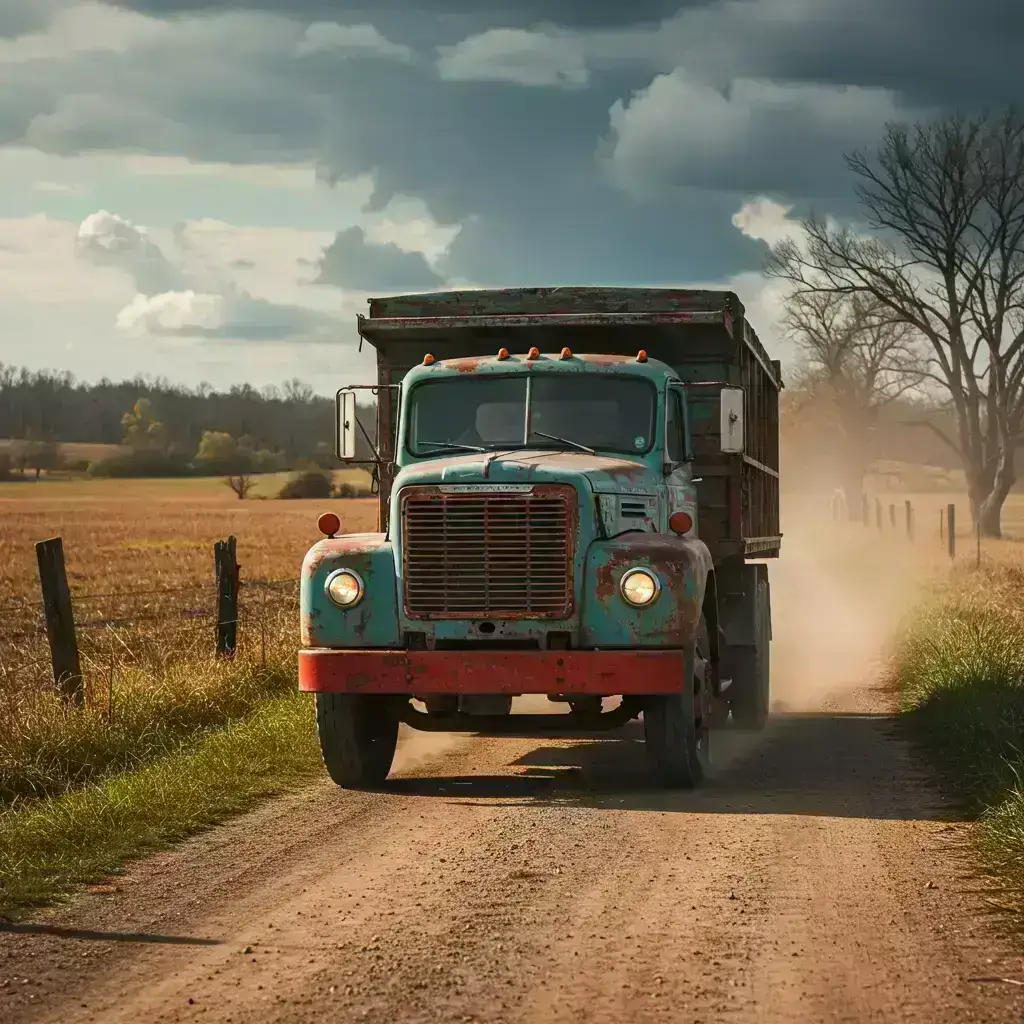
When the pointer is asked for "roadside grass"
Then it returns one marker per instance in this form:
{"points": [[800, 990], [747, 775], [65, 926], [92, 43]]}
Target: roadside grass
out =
{"points": [[959, 666], [49, 847], [48, 748]]}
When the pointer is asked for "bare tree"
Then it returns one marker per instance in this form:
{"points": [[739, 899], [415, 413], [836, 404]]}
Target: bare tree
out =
{"points": [[946, 202], [241, 484], [856, 359]]}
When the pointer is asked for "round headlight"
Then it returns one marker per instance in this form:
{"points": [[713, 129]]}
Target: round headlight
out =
{"points": [[639, 587], [344, 588]]}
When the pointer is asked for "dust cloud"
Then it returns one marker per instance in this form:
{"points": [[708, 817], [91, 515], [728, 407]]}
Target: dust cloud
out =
{"points": [[839, 592]]}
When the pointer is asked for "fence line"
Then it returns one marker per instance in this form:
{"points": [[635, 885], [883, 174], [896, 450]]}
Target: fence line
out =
{"points": [[226, 615], [947, 532]]}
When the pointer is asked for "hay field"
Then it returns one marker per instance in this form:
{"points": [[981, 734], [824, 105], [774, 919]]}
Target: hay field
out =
{"points": [[143, 550]]}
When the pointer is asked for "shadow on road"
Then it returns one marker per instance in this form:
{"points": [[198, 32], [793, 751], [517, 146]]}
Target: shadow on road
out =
{"points": [[57, 932], [831, 764]]}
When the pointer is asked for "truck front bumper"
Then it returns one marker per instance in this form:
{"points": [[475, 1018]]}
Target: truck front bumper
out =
{"points": [[420, 673]]}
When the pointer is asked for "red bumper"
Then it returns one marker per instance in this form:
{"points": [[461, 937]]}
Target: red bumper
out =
{"points": [[604, 673]]}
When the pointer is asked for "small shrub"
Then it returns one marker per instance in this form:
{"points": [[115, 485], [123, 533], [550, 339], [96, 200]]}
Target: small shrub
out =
{"points": [[351, 490], [311, 483]]}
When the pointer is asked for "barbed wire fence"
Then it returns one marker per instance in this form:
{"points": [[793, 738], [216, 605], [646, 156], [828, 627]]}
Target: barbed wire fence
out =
{"points": [[76, 642]]}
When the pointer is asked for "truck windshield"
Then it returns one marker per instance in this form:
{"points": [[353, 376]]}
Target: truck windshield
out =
{"points": [[587, 412]]}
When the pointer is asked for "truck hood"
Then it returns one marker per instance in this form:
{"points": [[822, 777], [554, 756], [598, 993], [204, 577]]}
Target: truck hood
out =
{"points": [[604, 474]]}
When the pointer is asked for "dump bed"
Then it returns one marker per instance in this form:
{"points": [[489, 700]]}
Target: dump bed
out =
{"points": [[703, 335]]}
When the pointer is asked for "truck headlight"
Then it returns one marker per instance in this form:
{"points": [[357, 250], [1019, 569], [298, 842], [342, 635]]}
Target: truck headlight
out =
{"points": [[344, 587], [639, 587]]}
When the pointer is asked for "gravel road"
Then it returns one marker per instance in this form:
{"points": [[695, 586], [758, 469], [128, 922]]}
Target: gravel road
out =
{"points": [[817, 877]]}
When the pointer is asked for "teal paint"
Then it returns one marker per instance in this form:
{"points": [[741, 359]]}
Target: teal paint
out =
{"points": [[373, 621]]}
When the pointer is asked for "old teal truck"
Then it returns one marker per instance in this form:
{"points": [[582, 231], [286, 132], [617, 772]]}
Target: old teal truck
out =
{"points": [[578, 488]]}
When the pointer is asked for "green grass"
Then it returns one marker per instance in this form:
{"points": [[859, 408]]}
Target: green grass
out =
{"points": [[48, 748], [50, 846], [960, 671]]}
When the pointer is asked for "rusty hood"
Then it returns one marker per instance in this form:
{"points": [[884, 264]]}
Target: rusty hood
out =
{"points": [[603, 474]]}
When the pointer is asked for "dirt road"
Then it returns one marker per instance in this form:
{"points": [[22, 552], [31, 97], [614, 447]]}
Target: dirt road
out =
{"points": [[815, 878]]}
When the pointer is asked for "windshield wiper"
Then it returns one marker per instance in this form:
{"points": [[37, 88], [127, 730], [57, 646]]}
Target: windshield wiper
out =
{"points": [[453, 445], [565, 440]]}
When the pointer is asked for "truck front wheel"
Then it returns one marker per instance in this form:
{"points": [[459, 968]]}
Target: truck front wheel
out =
{"points": [[358, 736], [676, 726]]}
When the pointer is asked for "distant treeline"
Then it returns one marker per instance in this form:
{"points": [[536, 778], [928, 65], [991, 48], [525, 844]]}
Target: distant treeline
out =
{"points": [[291, 421]]}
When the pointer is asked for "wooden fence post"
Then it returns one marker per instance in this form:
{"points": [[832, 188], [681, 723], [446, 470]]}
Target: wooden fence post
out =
{"points": [[951, 529], [865, 511], [878, 512], [909, 510], [942, 525], [60, 620], [227, 569], [892, 516]]}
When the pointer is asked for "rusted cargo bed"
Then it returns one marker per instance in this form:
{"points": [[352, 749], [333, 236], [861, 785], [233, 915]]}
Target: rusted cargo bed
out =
{"points": [[703, 335]]}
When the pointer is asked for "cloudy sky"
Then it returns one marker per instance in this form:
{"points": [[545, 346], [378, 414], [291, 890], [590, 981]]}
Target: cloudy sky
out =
{"points": [[209, 191]]}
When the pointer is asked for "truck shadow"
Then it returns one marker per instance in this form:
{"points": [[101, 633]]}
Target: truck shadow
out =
{"points": [[832, 764]]}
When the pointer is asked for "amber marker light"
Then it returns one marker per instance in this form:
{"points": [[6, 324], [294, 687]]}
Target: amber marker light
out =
{"points": [[680, 522], [503, 353], [641, 356], [428, 359], [534, 353], [566, 354], [329, 524]]}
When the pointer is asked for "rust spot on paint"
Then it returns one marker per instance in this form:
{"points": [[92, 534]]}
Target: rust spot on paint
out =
{"points": [[606, 359], [604, 587], [466, 364]]}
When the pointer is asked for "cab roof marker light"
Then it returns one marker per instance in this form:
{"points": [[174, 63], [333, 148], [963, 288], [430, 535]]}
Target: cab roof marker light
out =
{"points": [[534, 353], [503, 353], [428, 359], [566, 353], [641, 356]]}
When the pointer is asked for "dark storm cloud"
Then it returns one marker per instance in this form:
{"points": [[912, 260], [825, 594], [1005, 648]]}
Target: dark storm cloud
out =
{"points": [[445, 12], [574, 151], [352, 262]]}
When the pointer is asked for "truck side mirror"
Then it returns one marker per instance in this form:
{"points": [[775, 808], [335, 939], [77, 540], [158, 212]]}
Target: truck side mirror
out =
{"points": [[346, 427], [731, 405]]}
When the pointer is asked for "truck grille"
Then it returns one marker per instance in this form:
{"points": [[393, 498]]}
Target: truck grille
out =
{"points": [[471, 556]]}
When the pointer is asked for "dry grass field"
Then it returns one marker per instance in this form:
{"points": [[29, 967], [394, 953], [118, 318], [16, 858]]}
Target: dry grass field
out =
{"points": [[139, 557]]}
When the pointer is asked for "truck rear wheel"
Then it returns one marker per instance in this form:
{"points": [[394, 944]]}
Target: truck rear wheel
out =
{"points": [[750, 693], [676, 726], [358, 736]]}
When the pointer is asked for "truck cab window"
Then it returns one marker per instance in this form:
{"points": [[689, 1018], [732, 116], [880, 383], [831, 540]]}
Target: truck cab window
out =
{"points": [[675, 426], [603, 413]]}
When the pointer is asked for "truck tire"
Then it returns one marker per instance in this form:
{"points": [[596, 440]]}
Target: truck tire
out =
{"points": [[358, 736], [750, 693], [676, 727]]}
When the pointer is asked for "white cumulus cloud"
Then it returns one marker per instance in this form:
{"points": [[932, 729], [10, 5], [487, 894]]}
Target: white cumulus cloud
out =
{"points": [[330, 37], [518, 56], [176, 302]]}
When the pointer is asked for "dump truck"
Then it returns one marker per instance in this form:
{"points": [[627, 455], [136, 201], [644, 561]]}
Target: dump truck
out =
{"points": [[578, 489]]}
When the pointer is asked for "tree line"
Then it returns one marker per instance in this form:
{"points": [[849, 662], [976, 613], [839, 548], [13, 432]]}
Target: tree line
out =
{"points": [[164, 427]]}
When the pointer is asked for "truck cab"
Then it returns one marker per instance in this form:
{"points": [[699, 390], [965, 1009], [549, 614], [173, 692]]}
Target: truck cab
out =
{"points": [[540, 534]]}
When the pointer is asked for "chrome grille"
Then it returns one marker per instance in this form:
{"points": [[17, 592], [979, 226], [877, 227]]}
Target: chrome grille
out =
{"points": [[468, 556]]}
